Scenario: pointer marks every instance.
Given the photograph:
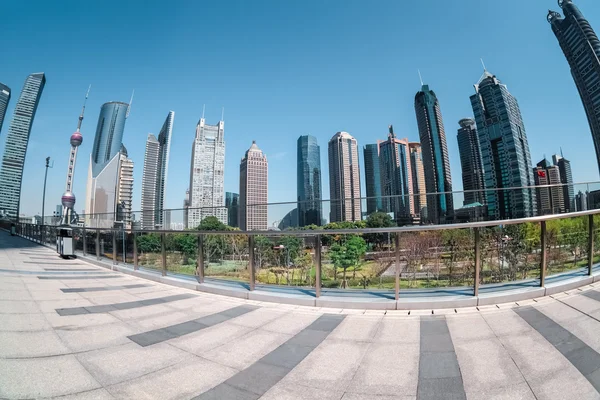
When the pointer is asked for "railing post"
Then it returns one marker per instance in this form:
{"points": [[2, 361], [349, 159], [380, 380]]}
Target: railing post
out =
{"points": [[318, 266], [84, 242], [114, 246], [124, 245], [42, 233], [163, 252], [477, 261], [590, 243], [98, 245], [397, 280], [544, 253], [251, 261], [135, 252], [200, 259]]}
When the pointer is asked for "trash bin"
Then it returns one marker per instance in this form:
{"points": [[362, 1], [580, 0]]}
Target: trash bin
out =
{"points": [[64, 242], [13, 229]]}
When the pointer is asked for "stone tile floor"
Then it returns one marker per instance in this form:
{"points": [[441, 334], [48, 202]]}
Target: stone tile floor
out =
{"points": [[81, 335]]}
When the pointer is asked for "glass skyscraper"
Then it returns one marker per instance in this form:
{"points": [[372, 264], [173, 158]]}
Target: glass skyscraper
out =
{"points": [[566, 178], [232, 202], [504, 150], [4, 99], [109, 134], [344, 178], [309, 181], [581, 47], [470, 162], [418, 179], [372, 178], [440, 205], [13, 160]]}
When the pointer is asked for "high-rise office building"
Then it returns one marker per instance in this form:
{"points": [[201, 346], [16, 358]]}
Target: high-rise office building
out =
{"points": [[207, 173], [436, 163], [418, 179], [470, 162], [102, 197], [254, 173], [581, 47], [344, 178], [566, 179], [232, 203], [504, 150], [549, 199], [156, 164], [125, 188], [581, 201], [396, 177], [13, 160], [372, 178], [4, 100], [186, 206], [309, 181]]}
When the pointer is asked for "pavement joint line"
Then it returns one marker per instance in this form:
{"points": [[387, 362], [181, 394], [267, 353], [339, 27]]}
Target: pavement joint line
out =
{"points": [[73, 269], [576, 351], [439, 370], [258, 378], [184, 328], [81, 277], [104, 308], [104, 288]]}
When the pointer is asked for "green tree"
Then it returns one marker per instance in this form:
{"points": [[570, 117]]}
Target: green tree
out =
{"points": [[378, 220], [347, 253], [215, 246], [212, 223], [149, 243], [186, 244], [263, 250]]}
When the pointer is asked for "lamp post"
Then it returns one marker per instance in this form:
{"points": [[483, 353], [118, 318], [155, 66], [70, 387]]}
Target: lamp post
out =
{"points": [[44, 193]]}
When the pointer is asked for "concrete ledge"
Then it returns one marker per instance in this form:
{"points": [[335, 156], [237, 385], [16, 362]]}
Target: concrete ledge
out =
{"points": [[356, 304], [208, 288], [274, 298], [432, 303], [511, 296], [562, 287]]}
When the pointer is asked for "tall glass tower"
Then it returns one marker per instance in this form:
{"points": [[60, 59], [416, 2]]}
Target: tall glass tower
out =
{"points": [[581, 47], [309, 181], [4, 99], [470, 162], [372, 178], [109, 134], [13, 160], [504, 150], [344, 178], [440, 205]]}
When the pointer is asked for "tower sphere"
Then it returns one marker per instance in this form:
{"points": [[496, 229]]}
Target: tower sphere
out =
{"points": [[76, 139], [68, 200]]}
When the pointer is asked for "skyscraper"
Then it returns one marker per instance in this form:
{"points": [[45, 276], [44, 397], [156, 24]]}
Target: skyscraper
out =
{"points": [[4, 99], [102, 197], [549, 199], [581, 47], [149, 182], [13, 161], [207, 172], [372, 178], [470, 162], [396, 177], [566, 179], [418, 179], [344, 178], [309, 181], [504, 150], [125, 188], [156, 164], [435, 156], [232, 203], [254, 171]]}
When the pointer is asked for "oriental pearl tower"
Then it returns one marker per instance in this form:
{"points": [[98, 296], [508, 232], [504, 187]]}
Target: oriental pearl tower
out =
{"points": [[68, 198]]}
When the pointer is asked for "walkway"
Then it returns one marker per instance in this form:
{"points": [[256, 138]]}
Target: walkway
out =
{"points": [[69, 328]]}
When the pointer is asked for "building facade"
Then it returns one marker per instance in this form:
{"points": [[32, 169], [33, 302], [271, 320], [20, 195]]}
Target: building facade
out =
{"points": [[156, 165], [581, 201], [418, 179], [438, 181], [4, 100], [504, 150], [581, 47], [549, 199], [344, 178], [566, 179], [396, 178], [309, 181], [470, 162], [372, 178], [254, 174], [125, 189], [17, 140], [232, 203], [207, 173], [102, 194]]}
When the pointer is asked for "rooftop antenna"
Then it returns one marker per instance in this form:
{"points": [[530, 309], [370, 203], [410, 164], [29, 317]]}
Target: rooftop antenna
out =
{"points": [[561, 153], [129, 107], [222, 113], [482, 63], [420, 77], [83, 109], [203, 107]]}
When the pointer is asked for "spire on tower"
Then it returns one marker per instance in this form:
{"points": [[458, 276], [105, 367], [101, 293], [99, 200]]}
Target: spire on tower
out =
{"points": [[420, 77], [129, 106], [482, 63], [83, 108]]}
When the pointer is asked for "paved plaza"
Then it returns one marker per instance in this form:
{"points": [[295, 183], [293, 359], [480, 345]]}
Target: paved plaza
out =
{"points": [[73, 330]]}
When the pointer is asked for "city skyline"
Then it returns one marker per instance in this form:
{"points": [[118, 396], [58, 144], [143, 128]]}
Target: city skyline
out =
{"points": [[363, 135]]}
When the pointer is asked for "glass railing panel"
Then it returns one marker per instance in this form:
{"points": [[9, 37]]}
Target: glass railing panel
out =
{"points": [[226, 257], [286, 260], [149, 250], [567, 244], [181, 252]]}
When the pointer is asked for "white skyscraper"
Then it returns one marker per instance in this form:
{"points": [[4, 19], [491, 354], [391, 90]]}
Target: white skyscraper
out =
{"points": [[125, 188], [156, 164], [207, 194]]}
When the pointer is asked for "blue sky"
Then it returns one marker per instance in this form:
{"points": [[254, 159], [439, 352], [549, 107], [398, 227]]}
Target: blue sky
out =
{"points": [[281, 69]]}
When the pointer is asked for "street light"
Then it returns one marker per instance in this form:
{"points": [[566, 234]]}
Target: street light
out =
{"points": [[44, 192]]}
